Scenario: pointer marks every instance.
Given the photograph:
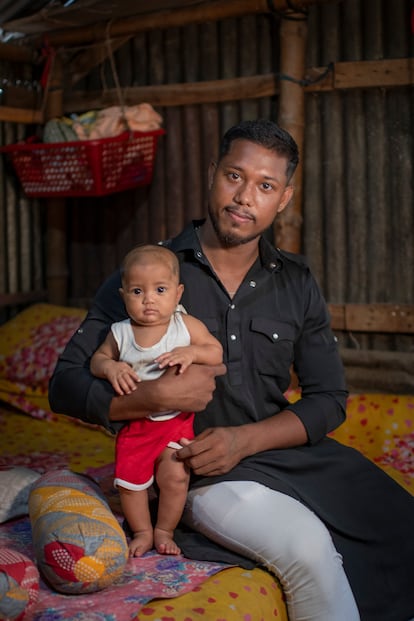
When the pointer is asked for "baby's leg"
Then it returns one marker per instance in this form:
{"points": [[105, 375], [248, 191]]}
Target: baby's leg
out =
{"points": [[136, 511], [172, 478]]}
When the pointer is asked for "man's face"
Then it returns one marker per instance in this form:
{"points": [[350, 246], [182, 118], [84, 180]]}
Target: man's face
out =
{"points": [[248, 188]]}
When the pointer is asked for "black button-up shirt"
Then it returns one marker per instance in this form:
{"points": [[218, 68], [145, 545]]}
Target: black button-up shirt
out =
{"points": [[277, 319]]}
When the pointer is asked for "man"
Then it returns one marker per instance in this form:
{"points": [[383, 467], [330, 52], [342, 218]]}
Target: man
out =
{"points": [[267, 482]]}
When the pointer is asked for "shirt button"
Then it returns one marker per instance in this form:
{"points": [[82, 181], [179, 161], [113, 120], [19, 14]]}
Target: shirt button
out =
{"points": [[80, 331], [233, 337], [252, 283], [199, 254], [272, 266], [232, 306], [275, 336]]}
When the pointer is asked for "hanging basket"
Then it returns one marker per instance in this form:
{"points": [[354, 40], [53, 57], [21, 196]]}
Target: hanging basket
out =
{"points": [[85, 167]]}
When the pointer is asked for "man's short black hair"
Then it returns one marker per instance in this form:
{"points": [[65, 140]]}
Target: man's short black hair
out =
{"points": [[265, 133]]}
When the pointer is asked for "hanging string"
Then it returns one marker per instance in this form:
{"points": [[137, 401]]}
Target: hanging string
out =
{"points": [[50, 54], [103, 79], [115, 74]]}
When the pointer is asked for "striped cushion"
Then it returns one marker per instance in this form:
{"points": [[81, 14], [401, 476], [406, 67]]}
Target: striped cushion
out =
{"points": [[79, 545]]}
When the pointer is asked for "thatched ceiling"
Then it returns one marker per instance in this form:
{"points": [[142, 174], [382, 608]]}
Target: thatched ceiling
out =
{"points": [[68, 22], [30, 17]]}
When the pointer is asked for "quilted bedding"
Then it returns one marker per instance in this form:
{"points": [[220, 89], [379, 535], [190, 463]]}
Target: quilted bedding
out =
{"points": [[381, 426], [154, 588]]}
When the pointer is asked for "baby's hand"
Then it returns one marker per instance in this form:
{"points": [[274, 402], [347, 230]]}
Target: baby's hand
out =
{"points": [[123, 378], [179, 356]]}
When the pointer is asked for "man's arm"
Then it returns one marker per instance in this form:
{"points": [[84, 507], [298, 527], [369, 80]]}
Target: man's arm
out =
{"points": [[319, 369], [72, 388], [188, 392]]}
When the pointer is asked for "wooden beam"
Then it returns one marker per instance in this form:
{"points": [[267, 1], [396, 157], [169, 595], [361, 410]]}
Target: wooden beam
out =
{"points": [[337, 313], [381, 318], [365, 74], [215, 10], [17, 299], [20, 115], [176, 94], [374, 73], [17, 53], [372, 369], [399, 72]]}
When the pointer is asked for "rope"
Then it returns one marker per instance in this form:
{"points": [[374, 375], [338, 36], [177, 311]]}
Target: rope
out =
{"points": [[115, 75], [50, 54], [309, 81]]}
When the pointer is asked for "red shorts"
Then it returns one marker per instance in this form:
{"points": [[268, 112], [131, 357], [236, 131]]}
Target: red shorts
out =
{"points": [[139, 444]]}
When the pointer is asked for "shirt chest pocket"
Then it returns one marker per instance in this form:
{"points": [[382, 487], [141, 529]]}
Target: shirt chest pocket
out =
{"points": [[272, 343]]}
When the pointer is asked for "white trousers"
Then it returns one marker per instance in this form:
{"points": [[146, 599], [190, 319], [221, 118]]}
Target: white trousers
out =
{"points": [[284, 536]]}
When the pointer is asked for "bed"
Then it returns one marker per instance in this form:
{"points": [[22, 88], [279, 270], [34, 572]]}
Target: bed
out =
{"points": [[154, 588]]}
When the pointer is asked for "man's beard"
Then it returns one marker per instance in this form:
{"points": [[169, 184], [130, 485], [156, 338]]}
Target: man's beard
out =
{"points": [[230, 239]]}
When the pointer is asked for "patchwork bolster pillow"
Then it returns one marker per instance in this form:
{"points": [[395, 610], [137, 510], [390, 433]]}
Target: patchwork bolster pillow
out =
{"points": [[79, 545], [19, 586]]}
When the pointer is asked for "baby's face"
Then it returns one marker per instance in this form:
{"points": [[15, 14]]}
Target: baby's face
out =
{"points": [[151, 292]]}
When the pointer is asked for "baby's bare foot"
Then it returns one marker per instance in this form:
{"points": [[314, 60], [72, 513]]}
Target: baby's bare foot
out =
{"points": [[141, 542], [164, 542]]}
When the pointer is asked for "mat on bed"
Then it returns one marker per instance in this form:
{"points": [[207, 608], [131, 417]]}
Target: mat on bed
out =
{"points": [[155, 587]]}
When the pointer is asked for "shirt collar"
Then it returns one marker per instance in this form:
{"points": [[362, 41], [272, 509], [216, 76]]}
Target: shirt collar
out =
{"points": [[187, 240]]}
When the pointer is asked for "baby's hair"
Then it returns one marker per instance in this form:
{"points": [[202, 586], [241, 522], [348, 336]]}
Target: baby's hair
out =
{"points": [[148, 253]]}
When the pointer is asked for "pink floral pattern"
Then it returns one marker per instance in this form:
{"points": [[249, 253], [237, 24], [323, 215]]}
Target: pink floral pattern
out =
{"points": [[33, 364], [401, 456], [381, 426], [40, 461]]}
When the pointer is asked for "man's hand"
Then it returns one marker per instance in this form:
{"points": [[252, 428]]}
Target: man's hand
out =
{"points": [[214, 451], [217, 450], [190, 391]]}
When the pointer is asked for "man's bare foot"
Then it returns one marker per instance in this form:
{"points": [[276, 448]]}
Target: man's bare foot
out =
{"points": [[164, 542], [141, 542]]}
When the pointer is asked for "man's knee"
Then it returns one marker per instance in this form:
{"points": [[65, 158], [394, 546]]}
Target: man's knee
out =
{"points": [[309, 550]]}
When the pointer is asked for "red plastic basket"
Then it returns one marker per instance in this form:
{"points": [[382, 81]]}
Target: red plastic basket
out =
{"points": [[85, 167]]}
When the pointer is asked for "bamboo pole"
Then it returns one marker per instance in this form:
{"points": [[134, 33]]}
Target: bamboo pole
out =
{"points": [[293, 35], [57, 272]]}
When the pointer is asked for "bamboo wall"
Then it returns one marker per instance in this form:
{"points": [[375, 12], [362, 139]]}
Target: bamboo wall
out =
{"points": [[178, 191], [359, 194], [359, 147], [22, 263]]}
